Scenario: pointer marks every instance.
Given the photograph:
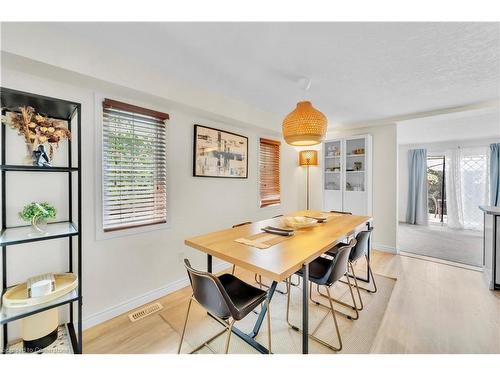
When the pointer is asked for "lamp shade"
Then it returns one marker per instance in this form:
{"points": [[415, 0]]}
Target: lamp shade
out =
{"points": [[308, 157], [304, 126]]}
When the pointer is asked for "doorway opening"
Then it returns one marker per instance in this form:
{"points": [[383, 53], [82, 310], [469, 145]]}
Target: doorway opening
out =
{"points": [[457, 183], [436, 189]]}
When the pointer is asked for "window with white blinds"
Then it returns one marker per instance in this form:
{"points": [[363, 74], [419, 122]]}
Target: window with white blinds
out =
{"points": [[134, 166], [269, 172]]}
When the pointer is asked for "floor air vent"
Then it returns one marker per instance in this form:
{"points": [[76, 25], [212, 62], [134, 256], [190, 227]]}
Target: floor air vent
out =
{"points": [[145, 311]]}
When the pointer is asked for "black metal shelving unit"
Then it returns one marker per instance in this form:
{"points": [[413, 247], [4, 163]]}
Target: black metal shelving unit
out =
{"points": [[65, 110]]}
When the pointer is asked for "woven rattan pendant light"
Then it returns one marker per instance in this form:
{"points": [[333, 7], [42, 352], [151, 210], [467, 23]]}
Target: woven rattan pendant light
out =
{"points": [[305, 125]]}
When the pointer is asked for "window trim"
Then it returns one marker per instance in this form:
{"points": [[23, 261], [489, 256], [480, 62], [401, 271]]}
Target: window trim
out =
{"points": [[100, 233], [111, 103], [274, 141]]}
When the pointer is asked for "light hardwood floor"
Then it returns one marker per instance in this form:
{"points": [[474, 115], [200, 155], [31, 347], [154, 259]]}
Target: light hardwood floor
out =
{"points": [[434, 308]]}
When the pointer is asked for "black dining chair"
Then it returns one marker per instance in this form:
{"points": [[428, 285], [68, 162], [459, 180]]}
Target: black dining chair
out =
{"points": [[359, 251], [227, 299], [326, 271]]}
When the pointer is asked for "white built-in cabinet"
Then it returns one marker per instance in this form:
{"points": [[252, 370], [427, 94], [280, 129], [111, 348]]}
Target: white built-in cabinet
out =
{"points": [[347, 174]]}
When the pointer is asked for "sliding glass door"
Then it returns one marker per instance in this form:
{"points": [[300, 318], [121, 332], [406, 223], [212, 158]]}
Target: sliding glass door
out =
{"points": [[436, 191], [457, 185]]}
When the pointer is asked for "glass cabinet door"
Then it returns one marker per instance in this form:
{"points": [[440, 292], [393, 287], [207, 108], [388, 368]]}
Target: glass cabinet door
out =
{"points": [[332, 165], [355, 163]]}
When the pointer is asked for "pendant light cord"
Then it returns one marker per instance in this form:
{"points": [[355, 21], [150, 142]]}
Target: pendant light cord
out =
{"points": [[306, 85]]}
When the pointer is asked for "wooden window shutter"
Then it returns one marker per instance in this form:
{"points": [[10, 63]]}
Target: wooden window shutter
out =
{"points": [[134, 166], [269, 172]]}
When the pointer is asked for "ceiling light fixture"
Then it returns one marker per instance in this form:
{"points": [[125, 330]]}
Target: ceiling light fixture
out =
{"points": [[305, 125]]}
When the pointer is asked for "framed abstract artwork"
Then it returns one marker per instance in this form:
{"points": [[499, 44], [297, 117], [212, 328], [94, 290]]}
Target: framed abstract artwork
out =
{"points": [[218, 153]]}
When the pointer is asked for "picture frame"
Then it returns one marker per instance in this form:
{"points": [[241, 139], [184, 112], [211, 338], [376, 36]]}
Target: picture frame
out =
{"points": [[219, 154]]}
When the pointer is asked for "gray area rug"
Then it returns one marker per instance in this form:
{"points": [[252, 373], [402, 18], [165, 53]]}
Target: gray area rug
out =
{"points": [[461, 246], [357, 336]]}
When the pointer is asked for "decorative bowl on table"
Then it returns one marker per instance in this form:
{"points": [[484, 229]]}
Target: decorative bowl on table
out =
{"points": [[298, 222]]}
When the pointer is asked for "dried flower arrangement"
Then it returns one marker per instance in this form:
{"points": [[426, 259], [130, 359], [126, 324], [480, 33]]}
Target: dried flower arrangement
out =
{"points": [[37, 129]]}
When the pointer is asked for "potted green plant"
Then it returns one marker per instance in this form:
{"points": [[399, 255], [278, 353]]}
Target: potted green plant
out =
{"points": [[37, 214]]}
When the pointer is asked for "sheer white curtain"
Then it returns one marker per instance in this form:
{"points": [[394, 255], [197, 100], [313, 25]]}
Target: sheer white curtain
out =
{"points": [[466, 186]]}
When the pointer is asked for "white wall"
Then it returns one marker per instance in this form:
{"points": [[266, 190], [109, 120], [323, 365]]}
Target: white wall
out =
{"points": [[123, 272], [384, 182], [457, 126]]}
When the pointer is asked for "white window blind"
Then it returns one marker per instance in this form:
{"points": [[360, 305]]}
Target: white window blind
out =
{"points": [[134, 166]]}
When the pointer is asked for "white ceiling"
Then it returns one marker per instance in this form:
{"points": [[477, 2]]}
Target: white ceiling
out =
{"points": [[359, 71]]}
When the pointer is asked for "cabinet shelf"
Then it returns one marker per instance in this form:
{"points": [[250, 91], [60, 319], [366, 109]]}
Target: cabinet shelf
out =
{"points": [[349, 189], [70, 113], [31, 168], [24, 234], [9, 314]]}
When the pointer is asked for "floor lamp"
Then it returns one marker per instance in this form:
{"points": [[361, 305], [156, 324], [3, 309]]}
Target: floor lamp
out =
{"points": [[306, 159]]}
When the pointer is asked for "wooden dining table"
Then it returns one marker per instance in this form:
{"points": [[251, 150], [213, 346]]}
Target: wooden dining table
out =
{"points": [[281, 260]]}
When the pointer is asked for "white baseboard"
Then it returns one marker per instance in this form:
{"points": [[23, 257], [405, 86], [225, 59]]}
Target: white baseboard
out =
{"points": [[385, 248], [147, 297]]}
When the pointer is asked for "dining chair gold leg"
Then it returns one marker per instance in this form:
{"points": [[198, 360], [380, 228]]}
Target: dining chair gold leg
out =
{"points": [[335, 320], [332, 311], [234, 267], [371, 274], [205, 344], [292, 326], [268, 325], [185, 324], [311, 291], [261, 284], [353, 300], [287, 289], [320, 323], [228, 339], [298, 281], [256, 278], [295, 328], [374, 290], [288, 308], [357, 287], [353, 307]]}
